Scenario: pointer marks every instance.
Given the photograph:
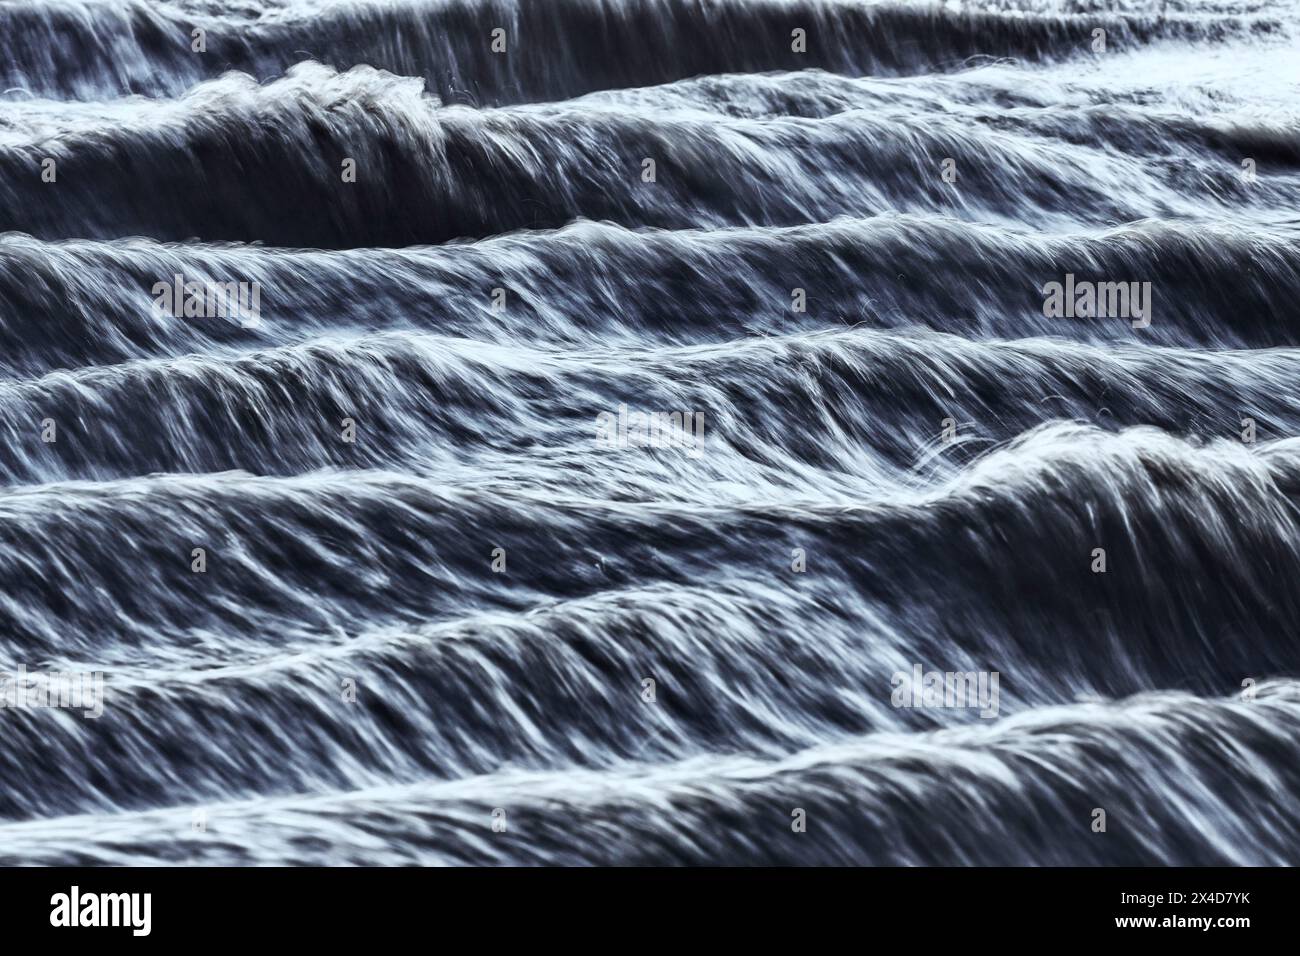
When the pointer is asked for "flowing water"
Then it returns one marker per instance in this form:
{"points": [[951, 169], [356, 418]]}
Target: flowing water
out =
{"points": [[377, 567]]}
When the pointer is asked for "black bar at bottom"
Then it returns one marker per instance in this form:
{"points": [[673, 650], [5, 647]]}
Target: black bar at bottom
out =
{"points": [[334, 906]]}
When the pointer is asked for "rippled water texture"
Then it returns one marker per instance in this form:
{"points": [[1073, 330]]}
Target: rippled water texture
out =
{"points": [[375, 568]]}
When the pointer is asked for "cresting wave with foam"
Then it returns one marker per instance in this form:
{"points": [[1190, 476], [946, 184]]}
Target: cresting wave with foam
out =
{"points": [[809, 400], [137, 48], [89, 302], [429, 174], [1157, 761], [1188, 531]]}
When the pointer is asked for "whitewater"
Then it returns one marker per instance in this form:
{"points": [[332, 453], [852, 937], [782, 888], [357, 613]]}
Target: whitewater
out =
{"points": [[376, 576]]}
